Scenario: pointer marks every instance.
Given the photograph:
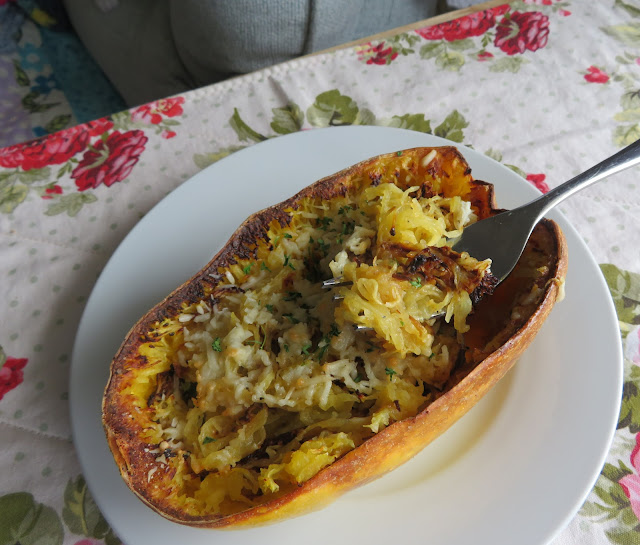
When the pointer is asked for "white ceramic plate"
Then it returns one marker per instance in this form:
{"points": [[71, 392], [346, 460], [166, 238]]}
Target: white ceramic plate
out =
{"points": [[514, 470]]}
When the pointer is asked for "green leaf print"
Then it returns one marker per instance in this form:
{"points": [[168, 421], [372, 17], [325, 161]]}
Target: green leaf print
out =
{"points": [[81, 514], [11, 195], [288, 119], [625, 291], [508, 64], [30, 104], [332, 109], [57, 123], [631, 9], [625, 135], [450, 60], [630, 407], [628, 116], [432, 50], [34, 175], [461, 45], [625, 536], [21, 76], [71, 204], [451, 127], [413, 122], [23, 521], [630, 100], [628, 34], [203, 160], [243, 130]]}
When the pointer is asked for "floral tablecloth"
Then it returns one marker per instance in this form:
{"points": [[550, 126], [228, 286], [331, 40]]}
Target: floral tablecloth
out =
{"points": [[548, 87]]}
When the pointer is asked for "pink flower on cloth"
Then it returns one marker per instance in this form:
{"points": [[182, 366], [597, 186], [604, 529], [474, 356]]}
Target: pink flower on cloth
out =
{"points": [[475, 24], [99, 126], [631, 483], [376, 54], [153, 112], [110, 160], [595, 75], [484, 56], [539, 181], [54, 149], [11, 374], [51, 190], [517, 32]]}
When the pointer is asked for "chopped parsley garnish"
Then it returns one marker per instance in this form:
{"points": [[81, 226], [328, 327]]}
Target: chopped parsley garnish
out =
{"points": [[335, 330], [358, 378], [416, 282], [247, 268], [371, 346], [324, 223], [208, 440], [324, 248], [286, 347], [287, 263], [292, 318], [288, 235], [348, 227], [305, 349], [389, 371], [263, 267], [399, 153], [217, 344], [269, 307], [322, 349], [345, 209], [292, 296], [276, 240]]}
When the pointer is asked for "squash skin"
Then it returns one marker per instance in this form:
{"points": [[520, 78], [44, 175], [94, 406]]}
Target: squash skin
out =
{"points": [[376, 456]]}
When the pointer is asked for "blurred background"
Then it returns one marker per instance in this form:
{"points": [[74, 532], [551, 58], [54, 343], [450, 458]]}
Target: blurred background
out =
{"points": [[67, 62]]}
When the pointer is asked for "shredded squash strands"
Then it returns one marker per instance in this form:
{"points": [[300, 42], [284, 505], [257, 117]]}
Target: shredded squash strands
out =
{"points": [[262, 382]]}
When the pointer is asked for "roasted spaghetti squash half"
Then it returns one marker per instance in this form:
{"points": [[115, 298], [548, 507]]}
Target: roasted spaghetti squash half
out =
{"points": [[249, 395]]}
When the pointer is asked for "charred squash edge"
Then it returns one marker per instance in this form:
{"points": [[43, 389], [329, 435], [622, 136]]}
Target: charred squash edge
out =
{"points": [[378, 455]]}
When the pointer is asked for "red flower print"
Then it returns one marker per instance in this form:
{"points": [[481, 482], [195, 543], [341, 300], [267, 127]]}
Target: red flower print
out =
{"points": [[631, 483], [517, 32], [99, 126], [539, 181], [168, 134], [595, 75], [484, 56], [152, 113], [377, 54], [52, 190], [475, 24], [11, 374], [109, 161], [54, 149]]}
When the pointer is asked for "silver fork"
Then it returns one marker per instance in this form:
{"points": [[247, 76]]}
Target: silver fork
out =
{"points": [[502, 237]]}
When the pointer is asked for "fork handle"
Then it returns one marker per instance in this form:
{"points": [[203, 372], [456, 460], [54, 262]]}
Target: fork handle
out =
{"points": [[625, 158]]}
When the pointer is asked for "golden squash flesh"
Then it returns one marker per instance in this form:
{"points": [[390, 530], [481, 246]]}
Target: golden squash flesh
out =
{"points": [[248, 396]]}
